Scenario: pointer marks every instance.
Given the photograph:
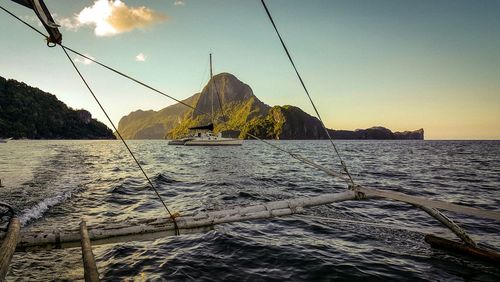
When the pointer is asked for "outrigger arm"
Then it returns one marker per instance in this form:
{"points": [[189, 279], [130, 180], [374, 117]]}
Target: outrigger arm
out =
{"points": [[41, 11]]}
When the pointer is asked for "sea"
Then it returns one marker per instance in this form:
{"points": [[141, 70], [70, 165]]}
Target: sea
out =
{"points": [[56, 184]]}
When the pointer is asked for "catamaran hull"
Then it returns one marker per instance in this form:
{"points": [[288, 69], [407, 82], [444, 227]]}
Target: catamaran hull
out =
{"points": [[179, 141], [232, 142], [210, 141]]}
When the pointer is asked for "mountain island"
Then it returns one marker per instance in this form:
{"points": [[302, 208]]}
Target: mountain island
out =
{"points": [[28, 112], [243, 113]]}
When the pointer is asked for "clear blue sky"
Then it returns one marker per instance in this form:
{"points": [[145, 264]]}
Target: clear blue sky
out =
{"points": [[399, 64]]}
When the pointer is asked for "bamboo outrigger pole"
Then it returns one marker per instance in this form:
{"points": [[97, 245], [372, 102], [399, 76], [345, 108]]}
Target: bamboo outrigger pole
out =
{"points": [[89, 266], [9, 246], [154, 228], [161, 227], [473, 251], [450, 224]]}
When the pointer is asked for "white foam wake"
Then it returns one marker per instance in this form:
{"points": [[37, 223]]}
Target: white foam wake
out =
{"points": [[40, 208]]}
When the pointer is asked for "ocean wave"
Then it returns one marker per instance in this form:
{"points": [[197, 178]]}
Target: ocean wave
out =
{"points": [[39, 209], [352, 240], [163, 179]]}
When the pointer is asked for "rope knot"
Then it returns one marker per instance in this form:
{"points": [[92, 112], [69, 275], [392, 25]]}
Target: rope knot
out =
{"points": [[293, 206], [175, 215], [359, 195]]}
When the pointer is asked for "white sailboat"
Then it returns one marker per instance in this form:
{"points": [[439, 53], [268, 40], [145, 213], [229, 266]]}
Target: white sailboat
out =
{"points": [[209, 139], [205, 135]]}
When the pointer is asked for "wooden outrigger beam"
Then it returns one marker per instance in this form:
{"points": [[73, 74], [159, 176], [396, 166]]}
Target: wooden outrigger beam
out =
{"points": [[419, 201], [442, 243], [89, 265], [203, 221], [9, 246], [149, 229], [450, 224]]}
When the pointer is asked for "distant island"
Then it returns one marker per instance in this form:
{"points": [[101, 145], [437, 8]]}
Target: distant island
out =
{"points": [[28, 112], [244, 113]]}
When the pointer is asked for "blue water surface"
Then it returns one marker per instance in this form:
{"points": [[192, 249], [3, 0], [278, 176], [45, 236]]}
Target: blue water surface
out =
{"points": [[54, 184]]}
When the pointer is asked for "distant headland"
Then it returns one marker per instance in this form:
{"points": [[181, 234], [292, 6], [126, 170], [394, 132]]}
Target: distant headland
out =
{"points": [[244, 113], [28, 112]]}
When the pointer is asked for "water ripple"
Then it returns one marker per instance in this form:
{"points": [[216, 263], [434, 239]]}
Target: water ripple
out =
{"points": [[56, 183]]}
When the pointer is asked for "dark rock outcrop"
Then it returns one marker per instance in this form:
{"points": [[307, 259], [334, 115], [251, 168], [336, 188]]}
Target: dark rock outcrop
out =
{"points": [[410, 135], [377, 133]]}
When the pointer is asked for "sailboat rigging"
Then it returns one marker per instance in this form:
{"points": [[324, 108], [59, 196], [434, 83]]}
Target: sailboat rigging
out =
{"points": [[204, 135], [43, 14]]}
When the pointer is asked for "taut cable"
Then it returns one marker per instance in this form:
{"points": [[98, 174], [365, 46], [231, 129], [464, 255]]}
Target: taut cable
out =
{"points": [[124, 143], [344, 166]]}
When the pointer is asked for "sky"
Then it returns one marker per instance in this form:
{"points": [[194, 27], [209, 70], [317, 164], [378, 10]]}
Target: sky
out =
{"points": [[400, 64]]}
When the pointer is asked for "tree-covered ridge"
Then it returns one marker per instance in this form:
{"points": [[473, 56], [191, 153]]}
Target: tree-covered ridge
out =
{"points": [[28, 112]]}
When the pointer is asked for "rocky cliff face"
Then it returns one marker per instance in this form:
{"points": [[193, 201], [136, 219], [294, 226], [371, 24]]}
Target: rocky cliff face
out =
{"points": [[289, 122], [244, 112], [154, 125], [239, 106], [286, 122], [28, 112]]}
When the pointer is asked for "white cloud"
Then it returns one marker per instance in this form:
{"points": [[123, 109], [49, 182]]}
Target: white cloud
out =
{"points": [[141, 57], [71, 24], [111, 17], [82, 60], [180, 2]]}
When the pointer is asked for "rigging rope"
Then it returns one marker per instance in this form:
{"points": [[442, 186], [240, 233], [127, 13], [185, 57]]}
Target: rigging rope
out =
{"points": [[24, 22], [293, 155], [105, 113], [344, 166], [65, 48], [365, 191], [219, 99], [204, 77], [124, 143]]}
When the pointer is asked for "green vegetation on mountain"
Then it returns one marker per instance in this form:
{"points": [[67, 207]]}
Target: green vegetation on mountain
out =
{"points": [[286, 122], [289, 122], [240, 106], [28, 112], [244, 113]]}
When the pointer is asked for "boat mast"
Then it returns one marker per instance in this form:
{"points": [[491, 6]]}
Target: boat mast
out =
{"points": [[211, 75]]}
